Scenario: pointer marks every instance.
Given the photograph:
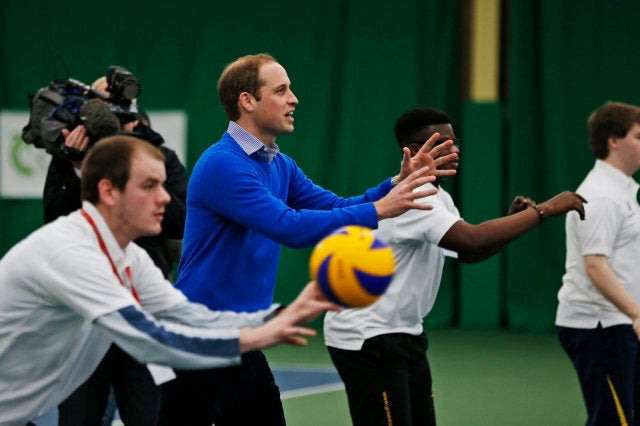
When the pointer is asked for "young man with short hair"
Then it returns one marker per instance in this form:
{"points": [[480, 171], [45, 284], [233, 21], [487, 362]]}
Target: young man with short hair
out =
{"points": [[598, 318], [77, 285], [245, 199], [381, 351]]}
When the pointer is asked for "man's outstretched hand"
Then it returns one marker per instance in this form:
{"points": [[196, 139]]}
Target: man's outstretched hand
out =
{"points": [[427, 156], [285, 327], [562, 203], [403, 197]]}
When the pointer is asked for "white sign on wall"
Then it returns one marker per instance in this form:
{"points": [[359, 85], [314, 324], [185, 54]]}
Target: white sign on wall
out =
{"points": [[23, 168]]}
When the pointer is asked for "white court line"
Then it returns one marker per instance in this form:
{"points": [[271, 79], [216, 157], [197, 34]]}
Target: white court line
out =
{"points": [[304, 367], [312, 390]]}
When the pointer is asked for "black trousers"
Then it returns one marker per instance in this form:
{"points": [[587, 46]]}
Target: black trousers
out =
{"points": [[607, 361], [244, 395], [388, 382], [137, 396]]}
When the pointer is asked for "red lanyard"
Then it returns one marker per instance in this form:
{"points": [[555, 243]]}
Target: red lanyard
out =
{"points": [[103, 247]]}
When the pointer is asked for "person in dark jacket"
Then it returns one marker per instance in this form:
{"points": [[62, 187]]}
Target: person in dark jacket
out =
{"points": [[131, 383], [62, 195]]}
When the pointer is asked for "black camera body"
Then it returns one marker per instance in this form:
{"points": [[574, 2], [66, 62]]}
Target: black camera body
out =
{"points": [[69, 103], [122, 85]]}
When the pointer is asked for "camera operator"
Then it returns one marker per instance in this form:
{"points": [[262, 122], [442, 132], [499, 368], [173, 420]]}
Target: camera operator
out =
{"points": [[135, 391], [62, 187]]}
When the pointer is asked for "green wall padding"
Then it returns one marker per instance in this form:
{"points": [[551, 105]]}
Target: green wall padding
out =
{"points": [[481, 175], [354, 65]]}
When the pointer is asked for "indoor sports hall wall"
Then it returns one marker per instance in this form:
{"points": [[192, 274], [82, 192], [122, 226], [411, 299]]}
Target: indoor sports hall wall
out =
{"points": [[566, 58], [355, 66]]}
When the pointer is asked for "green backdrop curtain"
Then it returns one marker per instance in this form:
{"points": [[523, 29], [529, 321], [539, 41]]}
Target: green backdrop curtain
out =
{"points": [[355, 66], [566, 58]]}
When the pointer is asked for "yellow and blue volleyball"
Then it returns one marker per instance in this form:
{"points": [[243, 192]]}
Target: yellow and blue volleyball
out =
{"points": [[352, 267]]}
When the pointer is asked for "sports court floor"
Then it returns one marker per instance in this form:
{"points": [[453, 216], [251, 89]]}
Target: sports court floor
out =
{"points": [[481, 378]]}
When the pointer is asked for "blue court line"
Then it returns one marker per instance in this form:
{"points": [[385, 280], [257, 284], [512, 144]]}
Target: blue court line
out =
{"points": [[301, 380]]}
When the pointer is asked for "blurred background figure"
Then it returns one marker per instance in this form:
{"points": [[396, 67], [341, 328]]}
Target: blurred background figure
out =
{"points": [[132, 387], [598, 317]]}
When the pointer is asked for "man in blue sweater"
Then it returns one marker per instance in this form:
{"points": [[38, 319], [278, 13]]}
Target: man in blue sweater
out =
{"points": [[245, 198]]}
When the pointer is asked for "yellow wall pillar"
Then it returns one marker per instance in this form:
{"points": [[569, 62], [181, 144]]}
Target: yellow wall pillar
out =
{"points": [[481, 176]]}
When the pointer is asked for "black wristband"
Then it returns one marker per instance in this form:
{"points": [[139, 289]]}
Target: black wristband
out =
{"points": [[540, 213]]}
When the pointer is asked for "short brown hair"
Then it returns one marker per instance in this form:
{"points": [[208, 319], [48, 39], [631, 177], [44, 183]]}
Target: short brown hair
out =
{"points": [[240, 76], [613, 119], [110, 158]]}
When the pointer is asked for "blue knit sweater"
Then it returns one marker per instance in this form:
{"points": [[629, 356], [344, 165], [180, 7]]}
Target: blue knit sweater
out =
{"points": [[240, 209]]}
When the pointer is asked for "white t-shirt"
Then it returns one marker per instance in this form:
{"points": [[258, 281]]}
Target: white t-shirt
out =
{"points": [[414, 238], [53, 285], [611, 228]]}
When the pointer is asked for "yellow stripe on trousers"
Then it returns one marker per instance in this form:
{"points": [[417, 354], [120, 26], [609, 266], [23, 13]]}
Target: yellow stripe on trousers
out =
{"points": [[387, 409], [616, 400]]}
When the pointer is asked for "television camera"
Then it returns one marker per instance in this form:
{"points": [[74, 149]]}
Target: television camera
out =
{"points": [[69, 103]]}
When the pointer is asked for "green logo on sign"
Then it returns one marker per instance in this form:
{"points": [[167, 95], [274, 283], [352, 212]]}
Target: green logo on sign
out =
{"points": [[18, 148]]}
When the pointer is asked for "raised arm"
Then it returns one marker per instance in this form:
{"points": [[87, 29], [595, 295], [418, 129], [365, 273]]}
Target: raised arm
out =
{"points": [[478, 242], [427, 156], [285, 326], [209, 340], [61, 194], [404, 195], [175, 345]]}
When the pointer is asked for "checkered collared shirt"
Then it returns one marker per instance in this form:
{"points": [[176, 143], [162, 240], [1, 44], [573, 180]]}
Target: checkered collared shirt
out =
{"points": [[250, 143]]}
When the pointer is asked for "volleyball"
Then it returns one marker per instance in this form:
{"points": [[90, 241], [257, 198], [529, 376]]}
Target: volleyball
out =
{"points": [[352, 267]]}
